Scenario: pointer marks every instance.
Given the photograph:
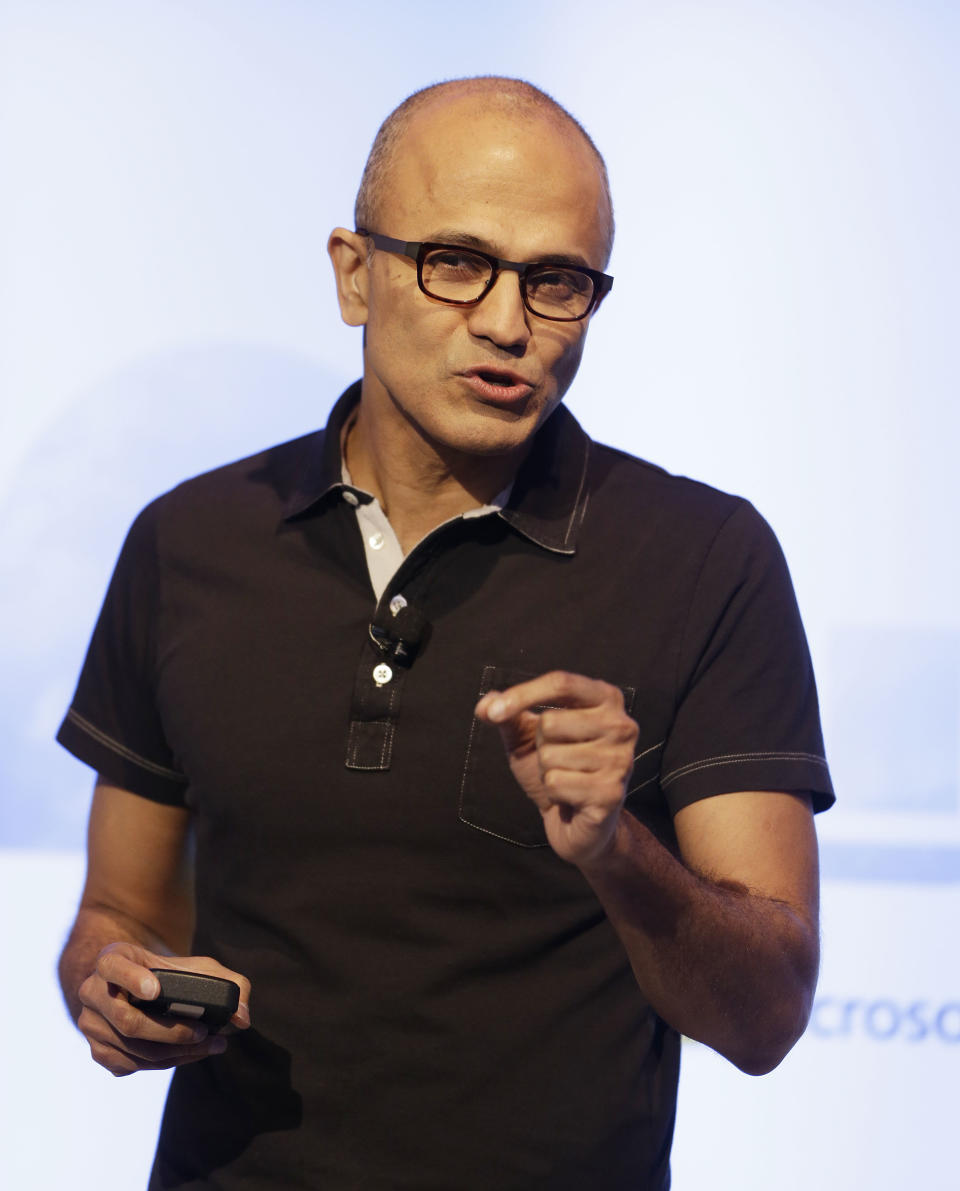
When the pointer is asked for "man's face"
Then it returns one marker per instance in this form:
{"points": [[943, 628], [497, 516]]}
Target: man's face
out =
{"points": [[522, 190]]}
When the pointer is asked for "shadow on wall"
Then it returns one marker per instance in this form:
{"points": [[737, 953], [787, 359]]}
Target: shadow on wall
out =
{"points": [[76, 492]]}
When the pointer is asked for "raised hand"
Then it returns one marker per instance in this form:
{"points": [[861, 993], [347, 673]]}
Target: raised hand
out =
{"points": [[570, 745]]}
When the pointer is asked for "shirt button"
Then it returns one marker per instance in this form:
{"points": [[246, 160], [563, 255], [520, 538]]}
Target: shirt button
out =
{"points": [[375, 541], [351, 497], [382, 674], [397, 604]]}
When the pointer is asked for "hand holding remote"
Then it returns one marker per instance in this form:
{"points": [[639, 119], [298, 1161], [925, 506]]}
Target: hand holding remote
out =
{"points": [[125, 1035]]}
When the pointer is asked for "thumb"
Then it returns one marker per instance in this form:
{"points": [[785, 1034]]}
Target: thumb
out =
{"points": [[519, 734]]}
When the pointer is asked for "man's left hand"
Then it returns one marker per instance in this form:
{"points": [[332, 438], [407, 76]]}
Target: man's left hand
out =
{"points": [[570, 745]]}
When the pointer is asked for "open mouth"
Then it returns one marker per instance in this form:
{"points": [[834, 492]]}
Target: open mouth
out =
{"points": [[498, 387]]}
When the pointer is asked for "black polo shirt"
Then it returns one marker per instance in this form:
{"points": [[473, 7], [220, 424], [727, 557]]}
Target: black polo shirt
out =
{"points": [[439, 1002]]}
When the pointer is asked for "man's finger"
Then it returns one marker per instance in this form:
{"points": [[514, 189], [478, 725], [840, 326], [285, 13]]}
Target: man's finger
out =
{"points": [[585, 724], [558, 688], [149, 1040], [132, 975], [122, 1019], [586, 757], [583, 792], [121, 1056], [119, 1063]]}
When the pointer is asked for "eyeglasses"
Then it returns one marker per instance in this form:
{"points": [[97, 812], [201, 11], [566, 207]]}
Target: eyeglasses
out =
{"points": [[464, 277]]}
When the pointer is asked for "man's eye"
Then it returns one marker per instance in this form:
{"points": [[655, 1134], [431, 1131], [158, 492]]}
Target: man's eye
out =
{"points": [[453, 265], [559, 284]]}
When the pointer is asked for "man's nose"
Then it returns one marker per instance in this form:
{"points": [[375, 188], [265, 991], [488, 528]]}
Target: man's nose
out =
{"points": [[501, 316]]}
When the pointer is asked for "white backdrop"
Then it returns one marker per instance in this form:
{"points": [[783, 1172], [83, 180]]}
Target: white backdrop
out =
{"points": [[784, 325]]}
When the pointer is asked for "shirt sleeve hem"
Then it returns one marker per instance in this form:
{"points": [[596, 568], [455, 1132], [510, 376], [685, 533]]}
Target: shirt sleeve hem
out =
{"points": [[730, 773], [120, 764]]}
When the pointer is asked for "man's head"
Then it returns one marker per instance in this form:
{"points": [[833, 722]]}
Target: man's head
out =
{"points": [[513, 97], [496, 165]]}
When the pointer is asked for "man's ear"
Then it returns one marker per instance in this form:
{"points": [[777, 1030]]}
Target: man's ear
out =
{"points": [[348, 254]]}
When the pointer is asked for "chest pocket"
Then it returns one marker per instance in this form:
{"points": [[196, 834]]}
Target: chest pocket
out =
{"points": [[490, 798]]}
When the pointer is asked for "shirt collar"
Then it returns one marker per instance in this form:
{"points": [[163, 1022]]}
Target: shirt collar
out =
{"points": [[321, 474], [549, 496]]}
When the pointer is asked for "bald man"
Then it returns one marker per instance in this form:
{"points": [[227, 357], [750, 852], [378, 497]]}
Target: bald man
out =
{"points": [[480, 757]]}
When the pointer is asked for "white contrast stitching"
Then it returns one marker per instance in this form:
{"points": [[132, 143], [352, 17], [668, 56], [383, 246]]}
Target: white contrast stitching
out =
{"points": [[507, 839], [646, 782], [576, 505], [354, 745], [634, 789], [486, 679], [736, 758], [651, 749], [122, 750]]}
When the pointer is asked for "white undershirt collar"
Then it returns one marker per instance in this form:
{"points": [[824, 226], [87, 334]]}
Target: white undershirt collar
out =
{"points": [[380, 543]]}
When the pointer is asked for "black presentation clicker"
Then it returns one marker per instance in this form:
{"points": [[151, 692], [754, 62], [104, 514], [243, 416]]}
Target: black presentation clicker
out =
{"points": [[207, 999]]}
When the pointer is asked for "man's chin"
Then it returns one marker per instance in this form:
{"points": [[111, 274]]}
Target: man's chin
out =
{"points": [[497, 430]]}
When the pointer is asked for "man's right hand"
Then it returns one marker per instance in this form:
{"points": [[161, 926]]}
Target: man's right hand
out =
{"points": [[125, 1039]]}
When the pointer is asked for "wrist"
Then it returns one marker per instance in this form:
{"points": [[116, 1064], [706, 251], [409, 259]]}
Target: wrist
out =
{"points": [[606, 857]]}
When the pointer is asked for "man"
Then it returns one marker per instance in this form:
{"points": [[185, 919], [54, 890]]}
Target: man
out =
{"points": [[482, 758]]}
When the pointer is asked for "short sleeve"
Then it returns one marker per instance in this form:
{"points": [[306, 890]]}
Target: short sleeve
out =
{"points": [[113, 723], [747, 715]]}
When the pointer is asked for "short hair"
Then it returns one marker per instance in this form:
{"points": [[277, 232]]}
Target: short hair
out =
{"points": [[514, 95]]}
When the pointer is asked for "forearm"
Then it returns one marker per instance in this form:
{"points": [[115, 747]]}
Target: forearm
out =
{"points": [[97, 926], [723, 965]]}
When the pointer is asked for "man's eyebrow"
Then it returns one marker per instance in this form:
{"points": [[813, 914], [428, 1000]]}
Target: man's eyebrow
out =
{"points": [[462, 239]]}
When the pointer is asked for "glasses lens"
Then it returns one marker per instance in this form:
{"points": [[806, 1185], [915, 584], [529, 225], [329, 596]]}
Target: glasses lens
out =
{"points": [[559, 293], [455, 275]]}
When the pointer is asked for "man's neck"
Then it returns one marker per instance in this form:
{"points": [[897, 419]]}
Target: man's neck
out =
{"points": [[419, 487]]}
